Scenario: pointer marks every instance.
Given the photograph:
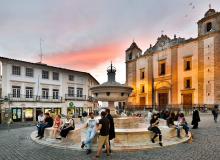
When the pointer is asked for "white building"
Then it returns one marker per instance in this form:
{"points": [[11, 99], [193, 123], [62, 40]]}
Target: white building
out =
{"points": [[27, 88]]}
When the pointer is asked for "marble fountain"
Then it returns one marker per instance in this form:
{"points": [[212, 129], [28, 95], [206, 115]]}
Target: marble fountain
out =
{"points": [[131, 132]]}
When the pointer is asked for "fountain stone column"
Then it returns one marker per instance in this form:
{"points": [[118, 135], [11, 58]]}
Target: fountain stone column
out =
{"points": [[111, 91]]}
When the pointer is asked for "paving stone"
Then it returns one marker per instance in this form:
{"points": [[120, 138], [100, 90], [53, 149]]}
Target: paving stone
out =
{"points": [[16, 144]]}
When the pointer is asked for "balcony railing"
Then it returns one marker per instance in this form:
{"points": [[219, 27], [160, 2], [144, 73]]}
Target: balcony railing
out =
{"points": [[50, 98], [34, 98], [75, 97], [22, 97]]}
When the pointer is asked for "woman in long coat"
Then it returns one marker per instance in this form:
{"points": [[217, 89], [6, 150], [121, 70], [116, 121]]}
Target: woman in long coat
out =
{"points": [[195, 118]]}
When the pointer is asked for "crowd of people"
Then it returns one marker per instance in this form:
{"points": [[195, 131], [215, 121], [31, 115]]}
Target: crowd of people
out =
{"points": [[105, 129], [60, 129], [57, 124]]}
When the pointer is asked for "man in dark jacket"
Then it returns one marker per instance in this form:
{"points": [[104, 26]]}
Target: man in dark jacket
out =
{"points": [[112, 126], [195, 118]]}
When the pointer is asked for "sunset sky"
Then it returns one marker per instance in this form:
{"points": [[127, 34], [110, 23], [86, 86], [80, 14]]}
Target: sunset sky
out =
{"points": [[86, 35]]}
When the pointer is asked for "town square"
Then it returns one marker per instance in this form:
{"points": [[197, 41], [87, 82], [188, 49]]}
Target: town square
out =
{"points": [[109, 80]]}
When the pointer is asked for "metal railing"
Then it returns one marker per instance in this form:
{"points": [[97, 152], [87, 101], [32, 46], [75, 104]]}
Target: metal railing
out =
{"points": [[175, 107], [75, 97], [34, 98]]}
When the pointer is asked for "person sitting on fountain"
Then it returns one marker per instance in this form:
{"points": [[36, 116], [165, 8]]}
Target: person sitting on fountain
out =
{"points": [[57, 125], [48, 122], [91, 132], [154, 123], [40, 122], [182, 123], [170, 120], [68, 126]]}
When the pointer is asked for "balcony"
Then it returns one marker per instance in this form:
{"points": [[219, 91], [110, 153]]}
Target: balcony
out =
{"points": [[75, 97], [34, 98], [22, 98], [50, 99]]}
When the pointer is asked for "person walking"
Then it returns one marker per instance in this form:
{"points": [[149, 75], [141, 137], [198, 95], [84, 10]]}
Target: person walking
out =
{"points": [[195, 118], [104, 126], [215, 111], [112, 127], [91, 132], [154, 128]]}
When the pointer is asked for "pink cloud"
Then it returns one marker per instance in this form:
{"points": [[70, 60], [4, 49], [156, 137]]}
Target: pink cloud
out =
{"points": [[86, 59]]}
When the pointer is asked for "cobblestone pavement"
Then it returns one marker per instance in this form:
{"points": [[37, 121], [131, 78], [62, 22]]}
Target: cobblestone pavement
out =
{"points": [[16, 144]]}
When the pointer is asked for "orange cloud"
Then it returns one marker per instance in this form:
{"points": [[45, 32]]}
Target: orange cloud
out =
{"points": [[86, 59]]}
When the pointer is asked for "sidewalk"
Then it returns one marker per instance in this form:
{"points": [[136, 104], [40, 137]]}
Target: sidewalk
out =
{"points": [[15, 125]]}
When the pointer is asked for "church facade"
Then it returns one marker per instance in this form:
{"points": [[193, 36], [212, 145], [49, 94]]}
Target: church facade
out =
{"points": [[177, 72]]}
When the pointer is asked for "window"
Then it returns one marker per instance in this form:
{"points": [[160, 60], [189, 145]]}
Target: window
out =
{"points": [[142, 89], [45, 74], [162, 68], [45, 93], [142, 73], [71, 77], [130, 56], [79, 92], [187, 83], [71, 91], [187, 64], [55, 94], [29, 92], [16, 91], [29, 72], [208, 26], [16, 70], [55, 76]]}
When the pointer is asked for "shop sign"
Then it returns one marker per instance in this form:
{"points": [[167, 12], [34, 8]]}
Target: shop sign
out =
{"points": [[71, 105]]}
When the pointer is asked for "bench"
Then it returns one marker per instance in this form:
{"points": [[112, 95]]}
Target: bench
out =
{"points": [[73, 135], [142, 136]]}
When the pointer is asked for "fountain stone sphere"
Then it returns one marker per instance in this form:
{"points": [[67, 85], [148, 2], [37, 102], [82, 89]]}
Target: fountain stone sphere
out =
{"points": [[111, 90]]}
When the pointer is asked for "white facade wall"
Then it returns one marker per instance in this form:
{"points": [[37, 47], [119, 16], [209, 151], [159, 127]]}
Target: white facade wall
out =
{"points": [[81, 80]]}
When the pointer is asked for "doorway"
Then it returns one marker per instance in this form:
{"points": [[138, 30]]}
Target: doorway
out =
{"points": [[187, 100], [162, 100], [142, 101]]}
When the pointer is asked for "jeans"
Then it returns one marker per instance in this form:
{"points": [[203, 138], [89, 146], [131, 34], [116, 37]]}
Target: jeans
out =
{"points": [[185, 127], [39, 126], [89, 137], [42, 128]]}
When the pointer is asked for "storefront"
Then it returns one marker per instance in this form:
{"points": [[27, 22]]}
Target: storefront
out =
{"points": [[53, 111], [16, 114], [29, 114]]}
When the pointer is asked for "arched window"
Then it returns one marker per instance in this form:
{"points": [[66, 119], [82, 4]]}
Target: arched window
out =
{"points": [[130, 56], [208, 26]]}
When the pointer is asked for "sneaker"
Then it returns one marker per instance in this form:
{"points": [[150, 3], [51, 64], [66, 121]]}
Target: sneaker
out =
{"points": [[152, 140], [82, 145], [88, 151], [161, 144], [41, 137]]}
